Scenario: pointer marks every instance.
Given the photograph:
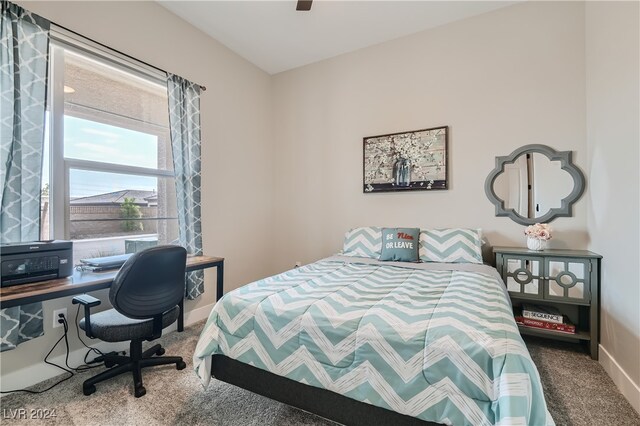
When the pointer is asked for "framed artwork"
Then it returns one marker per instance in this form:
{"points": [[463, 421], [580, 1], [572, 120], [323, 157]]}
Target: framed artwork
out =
{"points": [[406, 161]]}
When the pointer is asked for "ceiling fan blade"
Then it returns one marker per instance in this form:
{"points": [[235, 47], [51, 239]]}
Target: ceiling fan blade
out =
{"points": [[304, 5]]}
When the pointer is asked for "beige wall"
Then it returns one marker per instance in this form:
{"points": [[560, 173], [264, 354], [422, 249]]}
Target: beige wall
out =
{"points": [[613, 121], [501, 80], [236, 139]]}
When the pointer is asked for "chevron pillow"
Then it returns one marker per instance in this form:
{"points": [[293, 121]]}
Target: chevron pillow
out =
{"points": [[363, 242], [452, 245]]}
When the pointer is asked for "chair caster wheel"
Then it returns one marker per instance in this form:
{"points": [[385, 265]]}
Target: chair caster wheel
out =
{"points": [[88, 390], [160, 352], [141, 391], [181, 365]]}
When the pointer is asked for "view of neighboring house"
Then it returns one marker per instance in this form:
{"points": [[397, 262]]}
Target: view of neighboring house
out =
{"points": [[107, 215], [113, 214], [112, 223]]}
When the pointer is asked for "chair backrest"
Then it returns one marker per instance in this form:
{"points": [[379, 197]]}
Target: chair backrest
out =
{"points": [[150, 282]]}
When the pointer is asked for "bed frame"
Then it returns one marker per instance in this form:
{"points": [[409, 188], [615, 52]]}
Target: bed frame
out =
{"points": [[321, 402]]}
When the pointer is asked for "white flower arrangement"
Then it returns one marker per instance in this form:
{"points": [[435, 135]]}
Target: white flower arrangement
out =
{"points": [[539, 231]]}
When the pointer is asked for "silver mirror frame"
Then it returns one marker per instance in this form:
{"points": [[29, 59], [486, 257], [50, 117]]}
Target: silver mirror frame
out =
{"points": [[567, 165]]}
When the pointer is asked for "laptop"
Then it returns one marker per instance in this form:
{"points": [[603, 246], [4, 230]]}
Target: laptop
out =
{"points": [[106, 263]]}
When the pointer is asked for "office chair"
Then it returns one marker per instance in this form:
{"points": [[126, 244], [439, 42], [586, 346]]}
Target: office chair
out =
{"points": [[145, 295]]}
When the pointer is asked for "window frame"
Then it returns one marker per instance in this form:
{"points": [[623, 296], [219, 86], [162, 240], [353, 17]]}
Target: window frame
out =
{"points": [[59, 166]]}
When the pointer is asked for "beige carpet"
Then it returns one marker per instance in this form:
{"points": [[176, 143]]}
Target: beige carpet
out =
{"points": [[578, 392]]}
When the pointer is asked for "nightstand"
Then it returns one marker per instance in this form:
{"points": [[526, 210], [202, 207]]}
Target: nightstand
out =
{"points": [[569, 280]]}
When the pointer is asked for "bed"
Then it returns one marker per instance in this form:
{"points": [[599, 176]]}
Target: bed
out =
{"points": [[358, 340]]}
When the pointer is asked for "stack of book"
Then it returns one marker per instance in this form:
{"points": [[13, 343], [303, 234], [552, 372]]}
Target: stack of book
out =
{"points": [[544, 317]]}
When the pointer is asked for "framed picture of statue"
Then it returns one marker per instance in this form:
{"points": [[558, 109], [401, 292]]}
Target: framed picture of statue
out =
{"points": [[406, 161]]}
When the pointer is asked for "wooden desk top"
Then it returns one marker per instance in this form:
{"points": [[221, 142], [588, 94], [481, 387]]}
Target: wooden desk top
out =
{"points": [[80, 282]]}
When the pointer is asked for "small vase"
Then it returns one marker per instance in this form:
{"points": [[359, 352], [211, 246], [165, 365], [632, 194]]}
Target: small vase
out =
{"points": [[402, 172], [536, 244]]}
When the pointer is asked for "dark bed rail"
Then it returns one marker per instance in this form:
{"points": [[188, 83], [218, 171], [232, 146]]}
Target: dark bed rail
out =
{"points": [[321, 402]]}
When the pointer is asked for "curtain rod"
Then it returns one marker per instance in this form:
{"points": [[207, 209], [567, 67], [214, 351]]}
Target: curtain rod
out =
{"points": [[117, 51]]}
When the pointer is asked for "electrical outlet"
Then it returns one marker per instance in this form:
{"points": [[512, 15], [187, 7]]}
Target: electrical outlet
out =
{"points": [[56, 316]]}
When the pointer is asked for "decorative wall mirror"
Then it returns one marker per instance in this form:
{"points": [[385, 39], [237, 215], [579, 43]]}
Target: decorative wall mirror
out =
{"points": [[534, 184]]}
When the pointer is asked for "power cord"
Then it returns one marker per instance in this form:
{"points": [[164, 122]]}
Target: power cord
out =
{"points": [[97, 351], [46, 360], [69, 369]]}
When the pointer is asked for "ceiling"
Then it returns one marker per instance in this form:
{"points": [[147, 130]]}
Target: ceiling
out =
{"points": [[276, 38]]}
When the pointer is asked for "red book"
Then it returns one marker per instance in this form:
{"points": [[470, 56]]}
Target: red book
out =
{"points": [[563, 328]]}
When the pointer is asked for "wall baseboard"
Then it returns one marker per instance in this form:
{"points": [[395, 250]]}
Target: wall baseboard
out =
{"points": [[40, 372], [198, 314], [628, 388]]}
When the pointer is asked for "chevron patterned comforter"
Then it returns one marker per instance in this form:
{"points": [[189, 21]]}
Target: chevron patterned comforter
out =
{"points": [[433, 341]]}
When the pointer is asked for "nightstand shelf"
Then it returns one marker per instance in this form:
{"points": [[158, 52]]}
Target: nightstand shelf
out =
{"points": [[580, 335], [568, 280]]}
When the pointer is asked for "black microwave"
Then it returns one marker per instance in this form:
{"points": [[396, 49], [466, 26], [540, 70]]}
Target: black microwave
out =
{"points": [[24, 263]]}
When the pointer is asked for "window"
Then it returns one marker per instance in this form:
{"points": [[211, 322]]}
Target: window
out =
{"points": [[108, 181]]}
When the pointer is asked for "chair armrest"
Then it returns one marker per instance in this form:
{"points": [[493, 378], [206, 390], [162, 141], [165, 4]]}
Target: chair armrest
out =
{"points": [[88, 302]]}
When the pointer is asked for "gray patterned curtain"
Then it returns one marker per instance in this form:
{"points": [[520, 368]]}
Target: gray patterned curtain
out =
{"points": [[184, 120], [24, 60]]}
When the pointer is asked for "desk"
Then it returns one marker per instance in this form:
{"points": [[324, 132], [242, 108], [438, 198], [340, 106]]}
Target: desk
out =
{"points": [[83, 282]]}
